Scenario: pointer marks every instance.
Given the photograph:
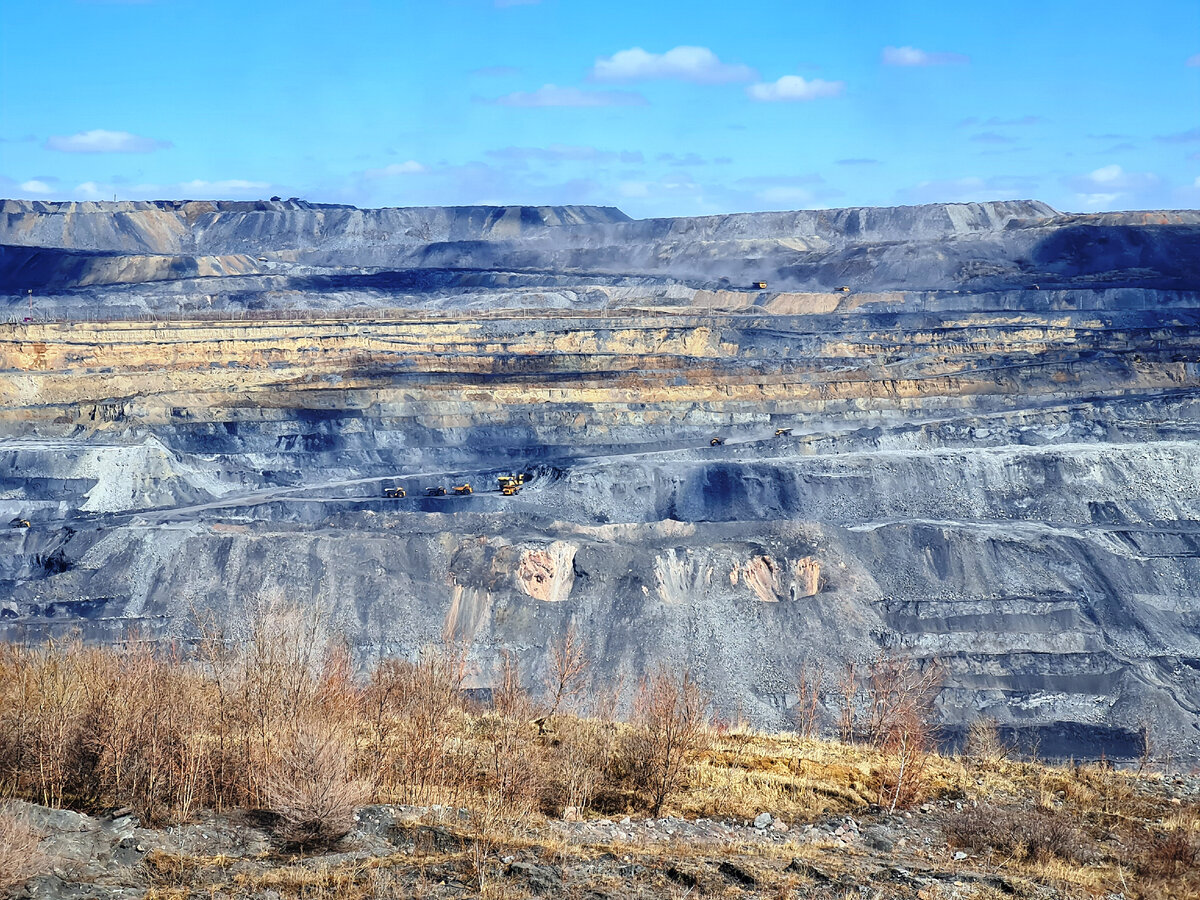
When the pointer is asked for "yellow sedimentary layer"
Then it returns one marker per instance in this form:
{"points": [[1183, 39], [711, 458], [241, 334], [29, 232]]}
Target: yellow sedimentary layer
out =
{"points": [[450, 373]]}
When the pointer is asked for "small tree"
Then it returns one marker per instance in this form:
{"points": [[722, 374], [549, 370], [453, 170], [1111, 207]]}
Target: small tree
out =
{"points": [[514, 775], [807, 710], [670, 716], [901, 696], [569, 666], [412, 711], [984, 744], [310, 785], [848, 694]]}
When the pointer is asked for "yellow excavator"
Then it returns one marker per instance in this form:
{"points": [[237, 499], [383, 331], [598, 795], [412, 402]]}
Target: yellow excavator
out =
{"points": [[20, 523], [781, 432], [395, 492], [510, 485], [715, 442], [463, 489]]}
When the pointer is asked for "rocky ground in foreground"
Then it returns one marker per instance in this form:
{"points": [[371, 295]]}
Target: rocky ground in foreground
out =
{"points": [[441, 852]]}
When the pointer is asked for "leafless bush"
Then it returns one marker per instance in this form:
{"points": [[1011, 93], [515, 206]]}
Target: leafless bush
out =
{"points": [[984, 744], [1170, 854], [20, 858], [901, 724], [413, 711], [514, 771], [41, 750], [569, 666], [311, 787], [1035, 834], [848, 703], [807, 711], [578, 757], [670, 716]]}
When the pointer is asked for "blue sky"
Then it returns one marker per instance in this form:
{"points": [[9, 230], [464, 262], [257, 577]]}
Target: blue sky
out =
{"points": [[660, 108]]}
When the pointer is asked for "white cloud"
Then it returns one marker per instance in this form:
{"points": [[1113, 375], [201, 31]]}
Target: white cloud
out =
{"points": [[1097, 201], [950, 189], [696, 64], [1111, 186], [785, 195], [34, 186], [553, 95], [90, 190], [100, 141], [1193, 61], [992, 137], [1107, 174], [228, 189], [673, 190], [1180, 137], [793, 87], [496, 71], [1113, 178], [970, 189], [911, 56], [1196, 183], [232, 185], [411, 167]]}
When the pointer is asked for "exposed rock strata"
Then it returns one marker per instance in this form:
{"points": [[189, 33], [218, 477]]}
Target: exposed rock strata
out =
{"points": [[1002, 477]]}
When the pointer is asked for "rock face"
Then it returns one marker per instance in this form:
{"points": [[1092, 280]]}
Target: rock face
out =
{"points": [[989, 454]]}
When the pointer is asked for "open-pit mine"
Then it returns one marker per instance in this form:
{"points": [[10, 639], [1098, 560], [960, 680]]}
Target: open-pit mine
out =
{"points": [[964, 432]]}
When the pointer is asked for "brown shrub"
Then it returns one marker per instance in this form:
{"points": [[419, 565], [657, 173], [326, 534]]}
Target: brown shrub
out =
{"points": [[809, 686], [1036, 834], [670, 716], [984, 745], [413, 712], [569, 666], [512, 765], [578, 756], [20, 858], [41, 699], [311, 787], [901, 723], [1170, 854]]}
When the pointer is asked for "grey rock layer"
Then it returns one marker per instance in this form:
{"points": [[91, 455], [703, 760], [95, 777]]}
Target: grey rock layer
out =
{"points": [[993, 457]]}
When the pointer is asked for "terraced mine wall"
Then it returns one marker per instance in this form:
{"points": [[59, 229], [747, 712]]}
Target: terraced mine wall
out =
{"points": [[1006, 479]]}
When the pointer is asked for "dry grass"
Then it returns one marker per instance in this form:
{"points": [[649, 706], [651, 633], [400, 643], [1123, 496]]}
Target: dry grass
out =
{"points": [[275, 719], [20, 858]]}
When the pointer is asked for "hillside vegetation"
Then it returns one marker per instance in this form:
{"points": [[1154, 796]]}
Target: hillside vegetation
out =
{"points": [[350, 785]]}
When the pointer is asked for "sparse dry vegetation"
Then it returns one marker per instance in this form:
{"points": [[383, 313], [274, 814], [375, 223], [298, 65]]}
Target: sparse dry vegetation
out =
{"points": [[20, 857], [279, 721]]}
